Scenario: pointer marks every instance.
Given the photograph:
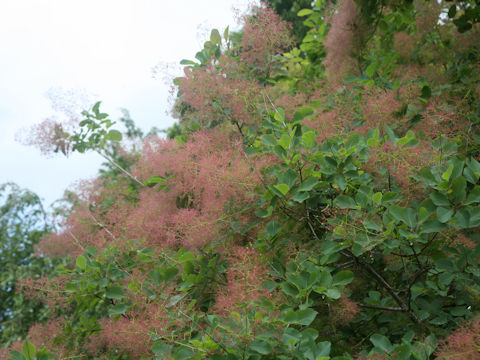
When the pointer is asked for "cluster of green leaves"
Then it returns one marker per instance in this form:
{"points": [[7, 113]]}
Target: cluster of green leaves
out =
{"points": [[29, 352], [94, 131], [420, 291]]}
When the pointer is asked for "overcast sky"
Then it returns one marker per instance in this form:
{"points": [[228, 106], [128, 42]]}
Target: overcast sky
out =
{"points": [[106, 48]]}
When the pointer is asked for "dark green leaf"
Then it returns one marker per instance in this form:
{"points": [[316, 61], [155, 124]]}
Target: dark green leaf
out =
{"points": [[261, 347], [118, 309], [302, 113], [426, 92], [459, 189], [289, 289], [269, 140], [154, 180], [272, 228], [432, 227], [170, 273], [452, 11], [406, 215], [114, 292], [382, 343], [343, 278], [16, 355], [308, 184], [300, 196], [439, 199], [302, 317], [444, 214], [159, 347], [345, 202]]}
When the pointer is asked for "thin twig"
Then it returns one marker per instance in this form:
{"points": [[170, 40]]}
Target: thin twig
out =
{"points": [[386, 308], [111, 161], [76, 240]]}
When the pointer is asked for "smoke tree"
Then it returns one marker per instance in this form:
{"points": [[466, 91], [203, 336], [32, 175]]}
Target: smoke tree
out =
{"points": [[319, 200]]}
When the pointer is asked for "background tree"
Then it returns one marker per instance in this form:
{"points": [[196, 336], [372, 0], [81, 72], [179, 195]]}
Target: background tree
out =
{"points": [[288, 10], [23, 222]]}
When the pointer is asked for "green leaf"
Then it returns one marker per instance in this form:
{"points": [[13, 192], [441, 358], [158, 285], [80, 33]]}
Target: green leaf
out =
{"points": [[280, 151], [322, 350], [308, 138], [261, 347], [304, 12], [81, 262], [406, 215], [188, 256], [159, 347], [272, 228], [29, 350], [377, 197], [44, 354], [439, 199], [114, 292], [426, 92], [283, 188], [446, 175], [183, 353], [114, 135], [345, 202], [444, 214], [339, 180], [154, 180], [473, 196], [403, 352], [302, 113], [459, 189], [285, 141], [463, 218], [225, 33], [371, 69], [333, 293], [308, 184], [170, 273], [432, 227], [269, 140], [382, 343], [289, 178], [215, 37], [300, 197], [118, 309], [96, 107], [188, 62], [289, 289], [325, 279], [302, 317], [102, 116], [452, 11], [343, 277], [262, 213], [16, 355]]}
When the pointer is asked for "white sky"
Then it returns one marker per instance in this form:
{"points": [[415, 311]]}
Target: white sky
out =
{"points": [[105, 47]]}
